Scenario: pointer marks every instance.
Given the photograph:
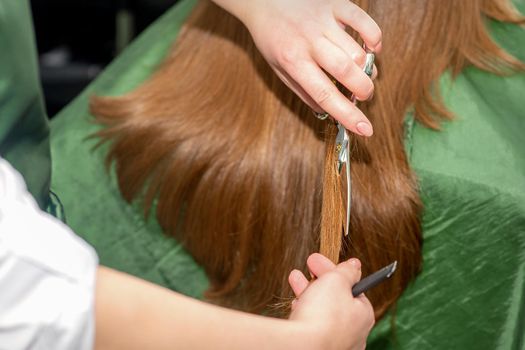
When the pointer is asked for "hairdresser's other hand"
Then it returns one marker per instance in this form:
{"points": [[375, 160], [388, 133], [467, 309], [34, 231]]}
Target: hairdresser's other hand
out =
{"points": [[301, 38], [327, 305]]}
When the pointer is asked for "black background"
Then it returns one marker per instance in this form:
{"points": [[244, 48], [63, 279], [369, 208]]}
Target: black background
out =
{"points": [[76, 39]]}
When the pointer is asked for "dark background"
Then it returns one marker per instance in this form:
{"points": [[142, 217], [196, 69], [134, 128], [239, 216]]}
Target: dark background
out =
{"points": [[76, 39]]}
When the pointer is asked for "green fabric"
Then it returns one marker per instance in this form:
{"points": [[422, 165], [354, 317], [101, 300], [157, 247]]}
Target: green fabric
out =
{"points": [[472, 177], [471, 293], [93, 206], [24, 131]]}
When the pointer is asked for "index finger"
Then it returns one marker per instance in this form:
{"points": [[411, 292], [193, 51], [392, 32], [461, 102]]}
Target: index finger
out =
{"points": [[326, 95], [352, 15]]}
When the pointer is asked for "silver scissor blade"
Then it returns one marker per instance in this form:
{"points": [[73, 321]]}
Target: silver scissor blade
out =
{"points": [[343, 169], [343, 153]]}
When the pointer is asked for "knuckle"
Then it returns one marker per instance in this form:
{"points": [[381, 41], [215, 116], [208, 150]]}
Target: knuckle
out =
{"points": [[341, 278], [343, 68], [359, 58], [358, 275], [349, 271], [288, 57], [322, 96], [336, 280]]}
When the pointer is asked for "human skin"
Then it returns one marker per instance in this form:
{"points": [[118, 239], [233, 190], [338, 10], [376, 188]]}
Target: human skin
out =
{"points": [[303, 39], [135, 314]]}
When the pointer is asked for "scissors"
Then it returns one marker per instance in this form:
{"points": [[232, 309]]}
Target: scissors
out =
{"points": [[342, 148]]}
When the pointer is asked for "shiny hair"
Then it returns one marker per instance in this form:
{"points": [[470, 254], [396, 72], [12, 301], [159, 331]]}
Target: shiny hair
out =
{"points": [[240, 172]]}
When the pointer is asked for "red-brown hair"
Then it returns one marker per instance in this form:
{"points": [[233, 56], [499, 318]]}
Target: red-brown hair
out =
{"points": [[238, 170]]}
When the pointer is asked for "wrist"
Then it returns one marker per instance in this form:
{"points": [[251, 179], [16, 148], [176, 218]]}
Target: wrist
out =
{"points": [[308, 336]]}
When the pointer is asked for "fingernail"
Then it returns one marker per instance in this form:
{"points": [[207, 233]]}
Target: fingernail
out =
{"points": [[365, 128], [355, 262]]}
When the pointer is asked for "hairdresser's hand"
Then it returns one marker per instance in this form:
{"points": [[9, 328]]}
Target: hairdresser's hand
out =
{"points": [[301, 38], [327, 305]]}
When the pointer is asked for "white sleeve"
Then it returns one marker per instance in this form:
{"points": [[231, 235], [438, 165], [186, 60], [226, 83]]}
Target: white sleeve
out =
{"points": [[47, 275]]}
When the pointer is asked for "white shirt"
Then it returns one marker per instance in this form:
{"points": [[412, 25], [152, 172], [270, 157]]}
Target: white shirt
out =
{"points": [[47, 275]]}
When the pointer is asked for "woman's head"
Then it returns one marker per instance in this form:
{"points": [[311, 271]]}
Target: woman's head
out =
{"points": [[238, 169]]}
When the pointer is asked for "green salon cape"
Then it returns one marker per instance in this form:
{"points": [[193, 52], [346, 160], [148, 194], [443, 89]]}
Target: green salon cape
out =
{"points": [[471, 292]]}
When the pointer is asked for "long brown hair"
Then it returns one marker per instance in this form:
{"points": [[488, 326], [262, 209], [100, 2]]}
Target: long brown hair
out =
{"points": [[234, 164]]}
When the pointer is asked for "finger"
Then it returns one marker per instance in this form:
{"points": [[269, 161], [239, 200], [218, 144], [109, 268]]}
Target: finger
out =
{"points": [[298, 282], [345, 42], [352, 15], [325, 94], [297, 89], [339, 37], [319, 264], [351, 270], [336, 62]]}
